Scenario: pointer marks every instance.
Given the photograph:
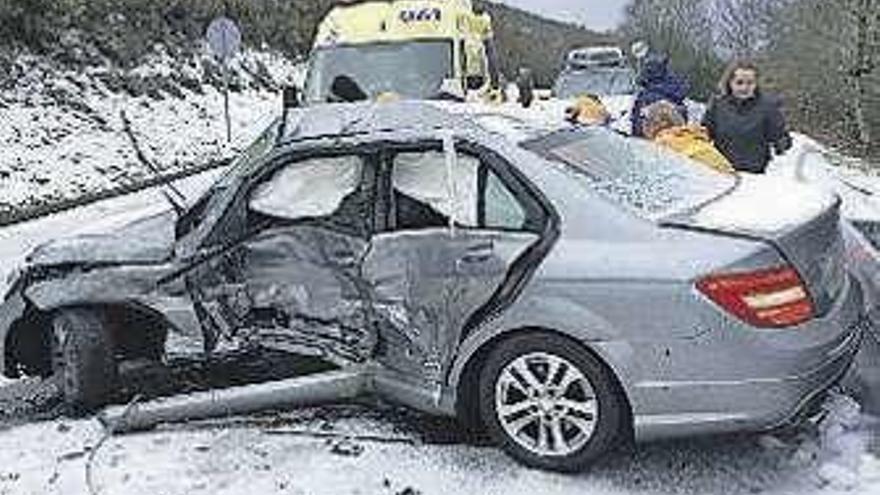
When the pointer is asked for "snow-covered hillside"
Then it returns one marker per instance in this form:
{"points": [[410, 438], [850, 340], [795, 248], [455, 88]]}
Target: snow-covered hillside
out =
{"points": [[62, 136]]}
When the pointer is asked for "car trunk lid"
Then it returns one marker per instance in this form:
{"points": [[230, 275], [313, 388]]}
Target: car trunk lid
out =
{"points": [[801, 222]]}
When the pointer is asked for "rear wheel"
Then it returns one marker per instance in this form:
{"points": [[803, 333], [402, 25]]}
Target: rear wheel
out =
{"points": [[83, 359], [549, 403]]}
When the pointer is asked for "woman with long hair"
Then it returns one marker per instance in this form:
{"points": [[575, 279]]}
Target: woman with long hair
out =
{"points": [[745, 124]]}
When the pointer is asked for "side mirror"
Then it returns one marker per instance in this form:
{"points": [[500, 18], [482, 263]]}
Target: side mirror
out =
{"points": [[291, 97], [474, 82]]}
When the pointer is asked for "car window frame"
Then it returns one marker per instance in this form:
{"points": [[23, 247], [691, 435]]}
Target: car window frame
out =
{"points": [[536, 216], [273, 163]]}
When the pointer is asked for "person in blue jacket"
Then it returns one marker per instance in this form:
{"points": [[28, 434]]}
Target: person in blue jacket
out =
{"points": [[657, 82]]}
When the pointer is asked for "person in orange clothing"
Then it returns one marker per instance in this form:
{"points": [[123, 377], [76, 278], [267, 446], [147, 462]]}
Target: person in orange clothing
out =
{"points": [[664, 125], [588, 110]]}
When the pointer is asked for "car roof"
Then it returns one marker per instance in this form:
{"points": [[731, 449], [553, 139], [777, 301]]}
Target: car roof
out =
{"points": [[415, 117], [366, 118]]}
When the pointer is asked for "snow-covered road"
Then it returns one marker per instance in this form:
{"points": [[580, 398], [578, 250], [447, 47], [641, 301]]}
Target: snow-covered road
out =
{"points": [[413, 454], [223, 458]]}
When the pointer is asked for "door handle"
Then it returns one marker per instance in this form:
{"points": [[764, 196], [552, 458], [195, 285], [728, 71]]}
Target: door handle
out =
{"points": [[344, 257], [478, 253]]}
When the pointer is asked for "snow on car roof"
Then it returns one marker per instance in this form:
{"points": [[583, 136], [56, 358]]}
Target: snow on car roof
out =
{"points": [[339, 119], [509, 120], [512, 120]]}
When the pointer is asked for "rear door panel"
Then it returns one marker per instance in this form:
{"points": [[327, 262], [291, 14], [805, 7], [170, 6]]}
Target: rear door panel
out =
{"points": [[427, 284]]}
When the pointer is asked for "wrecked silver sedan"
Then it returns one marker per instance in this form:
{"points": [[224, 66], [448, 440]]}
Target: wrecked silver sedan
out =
{"points": [[562, 288]]}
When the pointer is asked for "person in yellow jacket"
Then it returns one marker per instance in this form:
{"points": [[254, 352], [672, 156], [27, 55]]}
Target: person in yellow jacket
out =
{"points": [[664, 125], [588, 110]]}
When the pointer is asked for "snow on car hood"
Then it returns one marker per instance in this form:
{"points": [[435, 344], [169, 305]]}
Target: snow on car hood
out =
{"points": [[764, 204], [146, 240]]}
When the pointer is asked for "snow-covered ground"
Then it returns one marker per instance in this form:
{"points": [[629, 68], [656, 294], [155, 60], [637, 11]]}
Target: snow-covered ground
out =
{"points": [[17, 240], [360, 450]]}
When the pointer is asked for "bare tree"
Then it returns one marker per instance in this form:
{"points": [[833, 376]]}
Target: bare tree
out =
{"points": [[742, 26], [864, 60], [825, 53]]}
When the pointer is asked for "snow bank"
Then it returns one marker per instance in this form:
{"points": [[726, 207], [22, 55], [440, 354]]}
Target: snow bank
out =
{"points": [[855, 181]]}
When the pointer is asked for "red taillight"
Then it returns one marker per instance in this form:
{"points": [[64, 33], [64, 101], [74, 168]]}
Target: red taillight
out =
{"points": [[774, 297]]}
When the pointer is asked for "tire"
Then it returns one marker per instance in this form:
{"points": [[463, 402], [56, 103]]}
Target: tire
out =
{"points": [[82, 356], [576, 429]]}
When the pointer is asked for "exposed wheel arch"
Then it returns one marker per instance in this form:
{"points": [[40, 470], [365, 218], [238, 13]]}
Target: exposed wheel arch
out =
{"points": [[467, 394], [27, 345]]}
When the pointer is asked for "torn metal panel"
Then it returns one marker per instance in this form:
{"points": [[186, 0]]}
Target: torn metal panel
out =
{"points": [[427, 284], [148, 240], [294, 288], [134, 284], [109, 284]]}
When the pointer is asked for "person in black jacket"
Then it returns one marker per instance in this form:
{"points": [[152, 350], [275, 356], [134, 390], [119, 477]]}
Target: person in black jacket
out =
{"points": [[744, 123], [525, 82]]}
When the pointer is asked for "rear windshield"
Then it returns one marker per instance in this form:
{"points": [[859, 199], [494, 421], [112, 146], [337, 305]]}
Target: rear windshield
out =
{"points": [[598, 82], [643, 177]]}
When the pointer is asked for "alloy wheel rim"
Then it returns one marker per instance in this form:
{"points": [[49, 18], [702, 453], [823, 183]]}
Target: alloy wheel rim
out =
{"points": [[546, 404]]}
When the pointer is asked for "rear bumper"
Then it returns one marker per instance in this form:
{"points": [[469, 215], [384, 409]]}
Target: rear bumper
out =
{"points": [[754, 404]]}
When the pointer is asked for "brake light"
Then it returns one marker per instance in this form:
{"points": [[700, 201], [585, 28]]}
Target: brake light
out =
{"points": [[774, 297]]}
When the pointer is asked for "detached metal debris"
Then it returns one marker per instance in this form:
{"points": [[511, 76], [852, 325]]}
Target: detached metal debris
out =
{"points": [[331, 386]]}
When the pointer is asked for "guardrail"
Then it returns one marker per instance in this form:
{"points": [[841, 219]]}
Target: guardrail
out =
{"points": [[38, 210]]}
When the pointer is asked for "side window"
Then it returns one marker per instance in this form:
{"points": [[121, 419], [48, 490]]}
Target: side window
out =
{"points": [[427, 193], [501, 208], [313, 187]]}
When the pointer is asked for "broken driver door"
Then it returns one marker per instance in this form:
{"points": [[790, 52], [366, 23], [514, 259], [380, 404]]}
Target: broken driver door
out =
{"points": [[454, 233], [294, 282]]}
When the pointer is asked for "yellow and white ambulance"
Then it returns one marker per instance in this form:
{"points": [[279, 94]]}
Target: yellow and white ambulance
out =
{"points": [[411, 49]]}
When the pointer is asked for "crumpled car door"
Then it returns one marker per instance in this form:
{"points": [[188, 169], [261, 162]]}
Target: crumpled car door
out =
{"points": [[428, 284], [307, 294], [455, 232], [295, 284]]}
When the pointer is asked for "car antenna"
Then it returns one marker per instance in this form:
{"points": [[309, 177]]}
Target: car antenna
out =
{"points": [[167, 188]]}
